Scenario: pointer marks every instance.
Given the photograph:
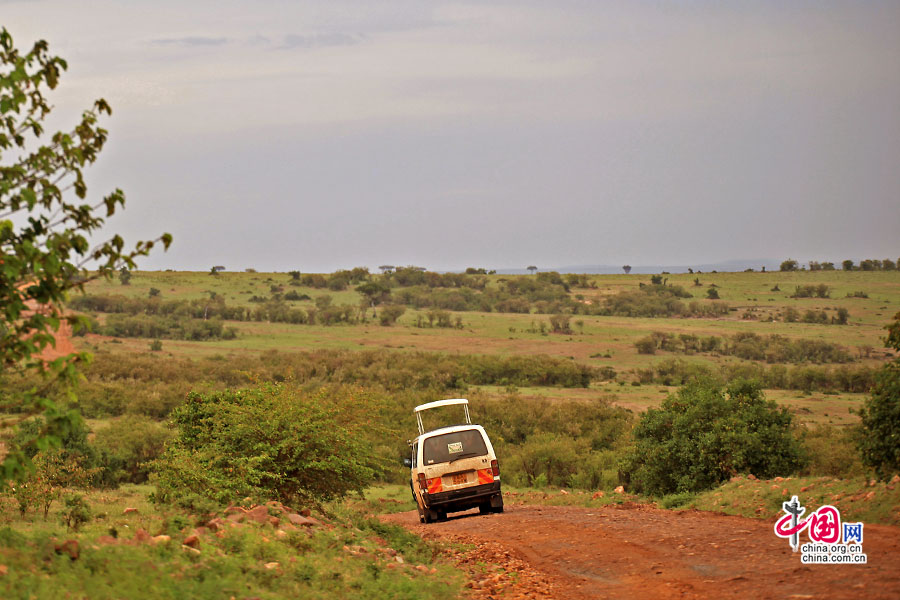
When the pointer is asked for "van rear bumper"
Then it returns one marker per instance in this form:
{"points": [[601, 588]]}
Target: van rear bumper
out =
{"points": [[464, 498]]}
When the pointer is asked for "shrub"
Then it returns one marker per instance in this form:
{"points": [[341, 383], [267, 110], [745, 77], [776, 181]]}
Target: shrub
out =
{"points": [[811, 316], [790, 265], [54, 471], [76, 511], [831, 451], [270, 442], [560, 323], [126, 447], [389, 314], [646, 345], [812, 291], [705, 434], [548, 455], [880, 415]]}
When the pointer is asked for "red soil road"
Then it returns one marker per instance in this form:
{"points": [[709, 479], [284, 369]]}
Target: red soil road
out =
{"points": [[637, 551]]}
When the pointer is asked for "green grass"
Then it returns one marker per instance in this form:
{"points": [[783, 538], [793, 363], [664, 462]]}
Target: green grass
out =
{"points": [[507, 333], [599, 341], [763, 498], [352, 556]]}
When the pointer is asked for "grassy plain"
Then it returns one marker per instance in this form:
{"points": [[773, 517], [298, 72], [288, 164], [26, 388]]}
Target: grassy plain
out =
{"points": [[350, 555], [598, 341]]}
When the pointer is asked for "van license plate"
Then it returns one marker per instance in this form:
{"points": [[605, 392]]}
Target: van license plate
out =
{"points": [[459, 479]]}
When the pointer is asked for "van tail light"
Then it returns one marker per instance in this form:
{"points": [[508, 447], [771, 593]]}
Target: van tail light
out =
{"points": [[422, 485], [495, 467], [434, 485]]}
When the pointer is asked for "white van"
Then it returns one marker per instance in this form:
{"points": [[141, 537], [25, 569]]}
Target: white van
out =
{"points": [[453, 468]]}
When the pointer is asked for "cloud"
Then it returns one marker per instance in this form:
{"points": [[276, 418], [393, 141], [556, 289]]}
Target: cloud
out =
{"points": [[192, 40], [319, 40]]}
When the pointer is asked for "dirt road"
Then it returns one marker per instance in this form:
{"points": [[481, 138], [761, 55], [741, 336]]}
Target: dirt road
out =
{"points": [[636, 551]]}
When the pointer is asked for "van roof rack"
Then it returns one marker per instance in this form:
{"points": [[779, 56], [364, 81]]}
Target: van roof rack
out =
{"points": [[437, 404]]}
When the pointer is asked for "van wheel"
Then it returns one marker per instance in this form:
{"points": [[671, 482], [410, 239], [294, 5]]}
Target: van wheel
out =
{"points": [[421, 514], [430, 516], [484, 508]]}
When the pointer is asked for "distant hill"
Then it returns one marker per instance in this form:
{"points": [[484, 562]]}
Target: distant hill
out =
{"points": [[724, 266]]}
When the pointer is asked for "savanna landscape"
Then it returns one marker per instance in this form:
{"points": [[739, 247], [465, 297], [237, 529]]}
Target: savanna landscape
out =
{"points": [[235, 409], [561, 383]]}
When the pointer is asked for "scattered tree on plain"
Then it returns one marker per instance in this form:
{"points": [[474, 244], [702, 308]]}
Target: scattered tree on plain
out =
{"points": [[790, 265]]}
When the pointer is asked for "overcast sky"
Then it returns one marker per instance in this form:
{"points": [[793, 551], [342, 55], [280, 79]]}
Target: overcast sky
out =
{"points": [[334, 133]]}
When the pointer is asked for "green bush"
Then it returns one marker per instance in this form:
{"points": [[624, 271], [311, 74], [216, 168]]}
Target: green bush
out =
{"points": [[76, 511], [831, 451], [646, 345], [880, 415], [270, 442], [54, 471], [389, 314], [126, 447], [541, 443], [705, 434], [548, 455]]}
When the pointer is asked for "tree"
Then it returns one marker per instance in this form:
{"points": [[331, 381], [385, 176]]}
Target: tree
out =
{"points": [[847, 265], [375, 292], [627, 269], [842, 315], [531, 269], [879, 443], [790, 265], [386, 269], [47, 228], [124, 276], [712, 293], [705, 434], [271, 442]]}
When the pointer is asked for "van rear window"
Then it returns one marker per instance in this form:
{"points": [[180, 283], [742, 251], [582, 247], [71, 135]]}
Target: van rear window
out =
{"points": [[449, 446]]}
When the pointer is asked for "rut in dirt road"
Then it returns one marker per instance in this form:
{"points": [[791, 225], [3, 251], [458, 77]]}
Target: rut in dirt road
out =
{"points": [[637, 551]]}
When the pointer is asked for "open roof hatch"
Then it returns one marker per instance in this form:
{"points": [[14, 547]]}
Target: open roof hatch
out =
{"points": [[437, 404]]}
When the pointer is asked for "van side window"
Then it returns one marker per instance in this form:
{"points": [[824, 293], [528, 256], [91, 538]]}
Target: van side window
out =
{"points": [[415, 452]]}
